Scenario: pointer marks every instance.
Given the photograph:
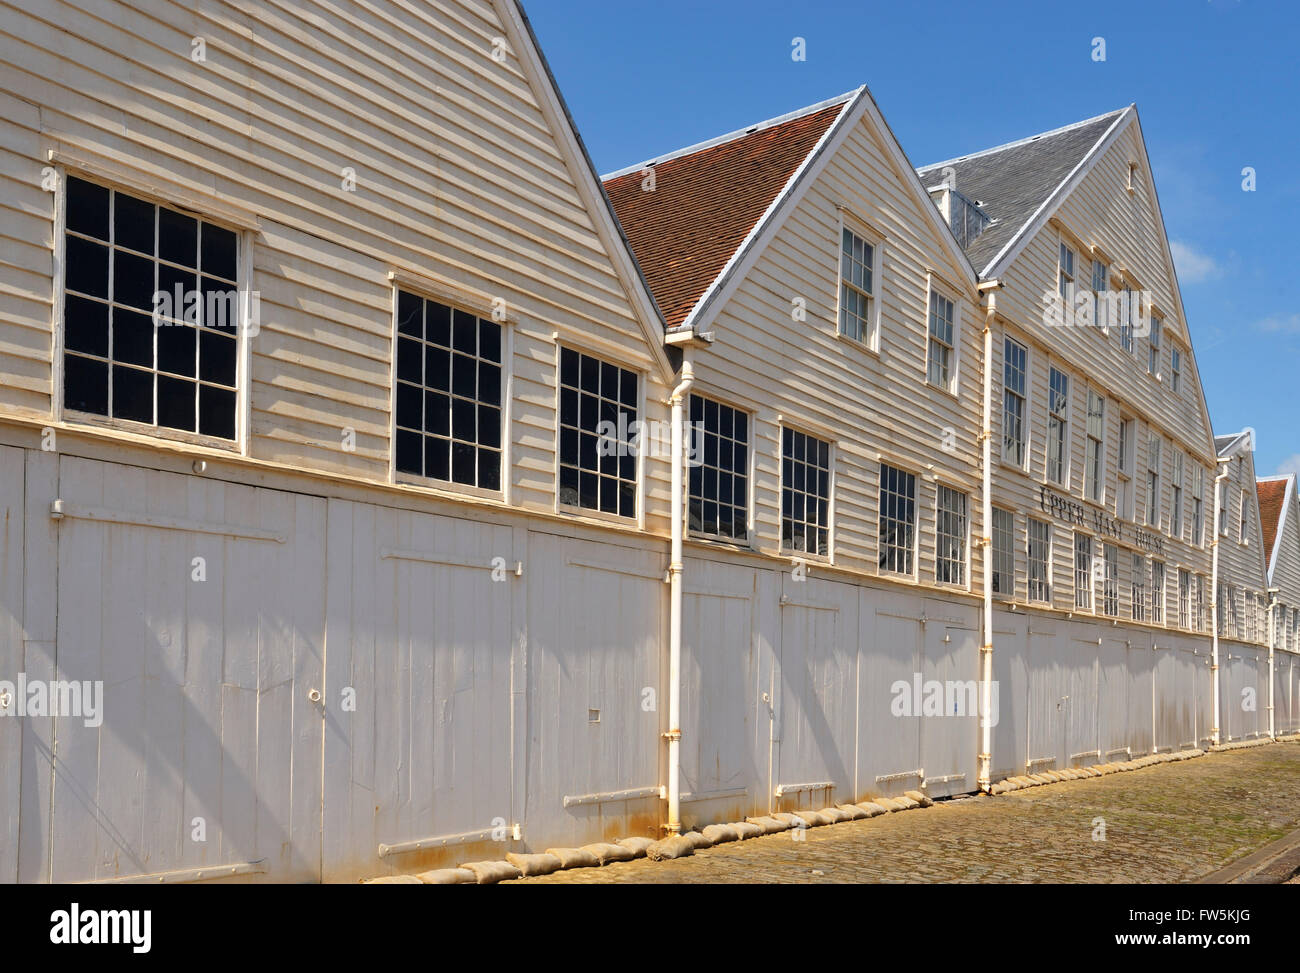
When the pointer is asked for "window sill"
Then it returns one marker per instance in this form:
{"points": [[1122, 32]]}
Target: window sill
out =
{"points": [[448, 487], [949, 391], [145, 432], [871, 349], [596, 516]]}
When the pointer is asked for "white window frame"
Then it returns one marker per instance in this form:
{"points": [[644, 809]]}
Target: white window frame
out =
{"points": [[831, 455], [1175, 369], [1155, 450], [1066, 428], [1094, 471], [1004, 553], [1024, 441], [750, 412], [1042, 585], [1084, 594], [915, 548], [481, 306], [243, 224], [963, 566], [1100, 289], [1153, 346], [849, 223], [936, 288]]}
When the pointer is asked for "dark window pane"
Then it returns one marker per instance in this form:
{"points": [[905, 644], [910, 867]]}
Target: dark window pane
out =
{"points": [[86, 326], [132, 394], [569, 407], [175, 294], [568, 367], [489, 383], [85, 385], [609, 380], [177, 347], [409, 361], [463, 463], [175, 403], [216, 357], [178, 238], [220, 307], [464, 375], [466, 333], [489, 469], [218, 252], [489, 426], [463, 420], [87, 208], [629, 390], [437, 413], [438, 324], [489, 341], [569, 485], [216, 412], [437, 458], [608, 495], [589, 380], [87, 267], [133, 223], [133, 335], [410, 315], [133, 280], [410, 406], [409, 451], [437, 369], [569, 446]]}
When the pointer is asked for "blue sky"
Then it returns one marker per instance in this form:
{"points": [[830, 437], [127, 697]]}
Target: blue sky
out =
{"points": [[1216, 84]]}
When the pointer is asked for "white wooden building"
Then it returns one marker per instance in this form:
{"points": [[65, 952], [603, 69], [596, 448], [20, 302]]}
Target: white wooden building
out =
{"points": [[340, 538]]}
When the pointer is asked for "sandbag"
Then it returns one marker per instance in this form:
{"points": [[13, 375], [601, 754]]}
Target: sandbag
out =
{"points": [[854, 812], [697, 840], [872, 808], [747, 830], [637, 845], [834, 815], [574, 857], [605, 852], [393, 880], [489, 873], [533, 864], [454, 876], [719, 833], [769, 824], [919, 797], [670, 848]]}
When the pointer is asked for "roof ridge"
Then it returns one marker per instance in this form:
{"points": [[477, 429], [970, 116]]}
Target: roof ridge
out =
{"points": [[1026, 140], [739, 133]]}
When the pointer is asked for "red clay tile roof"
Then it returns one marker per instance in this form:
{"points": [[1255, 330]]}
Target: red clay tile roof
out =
{"points": [[705, 203], [1271, 494]]}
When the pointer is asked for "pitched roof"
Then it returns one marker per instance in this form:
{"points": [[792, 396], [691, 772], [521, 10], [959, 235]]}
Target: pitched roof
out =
{"points": [[708, 199], [1272, 501], [1226, 445], [1012, 182]]}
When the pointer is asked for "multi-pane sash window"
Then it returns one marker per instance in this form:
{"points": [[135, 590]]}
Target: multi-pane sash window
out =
{"points": [[1014, 372], [1083, 572], [1176, 516], [1243, 534], [1124, 499], [1126, 314], [1153, 346], [1100, 284], [805, 493], [1067, 278], [150, 312], [1110, 585], [1153, 481], [719, 489], [1096, 433], [1184, 599], [1198, 506], [1158, 592], [941, 341], [598, 420], [897, 520], [950, 537], [1138, 583], [1225, 492], [1058, 425], [1004, 552], [1175, 370], [857, 286], [449, 390], [1040, 560], [1201, 603]]}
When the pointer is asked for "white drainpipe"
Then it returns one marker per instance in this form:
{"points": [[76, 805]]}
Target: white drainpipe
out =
{"points": [[675, 568], [1272, 640], [1214, 596], [985, 780]]}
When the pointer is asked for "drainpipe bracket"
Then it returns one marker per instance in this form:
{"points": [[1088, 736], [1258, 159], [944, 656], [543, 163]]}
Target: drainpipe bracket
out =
{"points": [[673, 736]]}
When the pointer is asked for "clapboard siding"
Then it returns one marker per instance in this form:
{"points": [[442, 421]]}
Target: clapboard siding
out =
{"points": [[459, 179], [1126, 228], [869, 404], [1242, 563]]}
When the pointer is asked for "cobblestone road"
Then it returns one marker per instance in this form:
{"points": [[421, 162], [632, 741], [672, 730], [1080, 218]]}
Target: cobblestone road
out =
{"points": [[1169, 823]]}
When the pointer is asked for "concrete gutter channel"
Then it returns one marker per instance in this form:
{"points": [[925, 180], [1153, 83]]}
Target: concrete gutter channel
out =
{"points": [[1274, 864]]}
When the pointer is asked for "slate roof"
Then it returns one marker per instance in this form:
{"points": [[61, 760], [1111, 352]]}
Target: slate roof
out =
{"points": [[1011, 182], [1272, 498], [1223, 445], [708, 199]]}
